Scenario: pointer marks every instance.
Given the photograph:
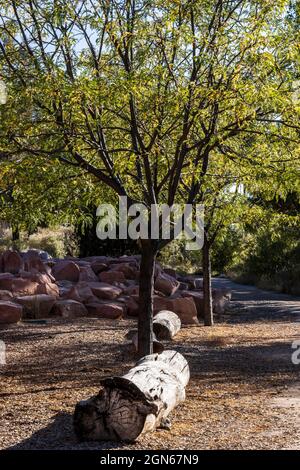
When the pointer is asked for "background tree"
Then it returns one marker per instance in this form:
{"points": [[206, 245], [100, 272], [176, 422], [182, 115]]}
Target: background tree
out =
{"points": [[144, 95]]}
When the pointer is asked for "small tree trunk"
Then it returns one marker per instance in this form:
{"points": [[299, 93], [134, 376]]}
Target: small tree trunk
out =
{"points": [[207, 294], [146, 290], [15, 236]]}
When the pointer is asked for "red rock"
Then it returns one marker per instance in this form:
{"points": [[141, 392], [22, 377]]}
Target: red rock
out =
{"points": [[198, 299], [105, 291], [19, 286], [36, 264], [36, 306], [185, 308], [166, 284], [43, 278], [66, 270], [87, 274], [132, 290], [69, 309], [98, 267], [111, 276], [5, 295], [11, 262], [4, 277], [10, 312], [49, 289], [132, 306], [128, 269], [98, 259], [126, 259], [81, 292], [73, 294], [64, 287], [105, 310]]}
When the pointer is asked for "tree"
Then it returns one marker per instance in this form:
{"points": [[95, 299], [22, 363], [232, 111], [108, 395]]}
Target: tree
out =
{"points": [[144, 95]]}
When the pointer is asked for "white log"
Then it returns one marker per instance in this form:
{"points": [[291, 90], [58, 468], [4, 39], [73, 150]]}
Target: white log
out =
{"points": [[166, 325], [140, 401]]}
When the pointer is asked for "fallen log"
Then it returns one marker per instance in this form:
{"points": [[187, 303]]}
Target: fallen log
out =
{"points": [[139, 402], [132, 335], [166, 324]]}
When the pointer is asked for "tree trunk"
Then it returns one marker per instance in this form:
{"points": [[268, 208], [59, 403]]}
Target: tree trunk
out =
{"points": [[146, 290], [140, 401], [15, 233], [166, 325], [207, 294], [15, 237]]}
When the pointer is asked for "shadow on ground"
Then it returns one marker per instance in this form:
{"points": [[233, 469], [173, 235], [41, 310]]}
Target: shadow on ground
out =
{"points": [[59, 434]]}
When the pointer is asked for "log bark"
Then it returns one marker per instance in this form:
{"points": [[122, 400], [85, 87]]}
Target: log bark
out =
{"points": [[207, 293], [166, 325], [139, 402]]}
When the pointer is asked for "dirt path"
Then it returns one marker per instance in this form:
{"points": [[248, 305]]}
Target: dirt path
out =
{"points": [[243, 394]]}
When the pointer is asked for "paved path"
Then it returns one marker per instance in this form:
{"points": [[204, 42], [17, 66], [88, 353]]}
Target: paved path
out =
{"points": [[255, 304], [250, 304]]}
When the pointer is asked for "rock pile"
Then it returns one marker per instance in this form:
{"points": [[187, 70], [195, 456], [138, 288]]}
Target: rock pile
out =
{"points": [[32, 286]]}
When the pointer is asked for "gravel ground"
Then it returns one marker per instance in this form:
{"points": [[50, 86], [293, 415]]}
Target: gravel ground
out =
{"points": [[244, 391]]}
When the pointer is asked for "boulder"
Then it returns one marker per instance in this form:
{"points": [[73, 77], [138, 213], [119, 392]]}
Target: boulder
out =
{"points": [[64, 287], [128, 269], [132, 306], [87, 274], [81, 292], [111, 276], [166, 284], [66, 270], [184, 307], [69, 309], [36, 264], [4, 277], [73, 294], [198, 299], [5, 295], [135, 259], [11, 262], [19, 286], [10, 312], [105, 310], [48, 289], [36, 306], [132, 290], [98, 267], [105, 291]]}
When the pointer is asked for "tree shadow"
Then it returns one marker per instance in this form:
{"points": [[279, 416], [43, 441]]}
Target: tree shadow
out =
{"points": [[268, 364], [59, 435]]}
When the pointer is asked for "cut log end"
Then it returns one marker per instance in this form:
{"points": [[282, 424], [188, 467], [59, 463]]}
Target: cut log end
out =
{"points": [[127, 407], [166, 325]]}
